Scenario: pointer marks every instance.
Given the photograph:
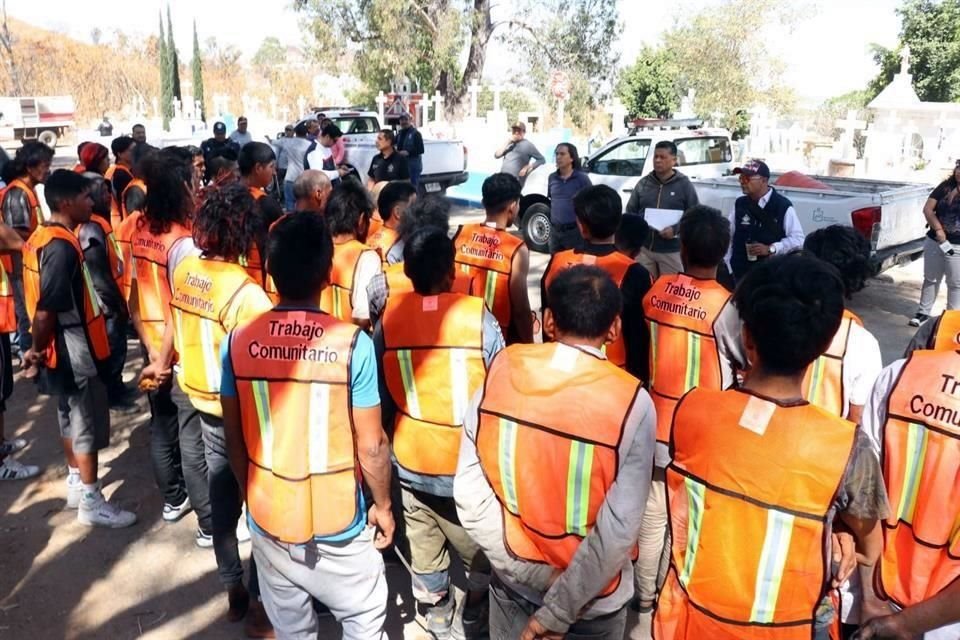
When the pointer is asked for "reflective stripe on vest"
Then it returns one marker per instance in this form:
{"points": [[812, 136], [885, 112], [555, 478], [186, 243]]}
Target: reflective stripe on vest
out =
{"points": [[823, 381], [382, 241], [487, 254], [337, 297], [8, 319], [124, 236], [681, 311], [550, 424], [150, 255], [921, 464], [768, 515], [202, 292], [6, 259], [615, 264], [114, 252], [95, 326], [432, 365], [252, 263], [947, 337], [303, 480]]}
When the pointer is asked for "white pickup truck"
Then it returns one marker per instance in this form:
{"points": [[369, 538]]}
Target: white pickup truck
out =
{"points": [[701, 153], [889, 214], [444, 161]]}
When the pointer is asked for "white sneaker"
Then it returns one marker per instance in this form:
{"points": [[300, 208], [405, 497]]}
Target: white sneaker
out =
{"points": [[172, 513], [10, 469], [95, 511], [74, 490], [204, 540], [644, 628], [243, 532], [12, 446]]}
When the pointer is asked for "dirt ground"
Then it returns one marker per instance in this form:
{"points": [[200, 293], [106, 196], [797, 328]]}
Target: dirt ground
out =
{"points": [[59, 579]]}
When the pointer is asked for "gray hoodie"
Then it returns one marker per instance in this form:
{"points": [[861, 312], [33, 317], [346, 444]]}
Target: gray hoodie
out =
{"points": [[675, 193]]}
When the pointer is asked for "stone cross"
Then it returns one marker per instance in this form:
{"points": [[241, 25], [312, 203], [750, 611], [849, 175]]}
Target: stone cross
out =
{"points": [[438, 107], [905, 60], [197, 109], [497, 88], [617, 114], [848, 129], [423, 111], [381, 101], [474, 91], [561, 103], [890, 122], [177, 107]]}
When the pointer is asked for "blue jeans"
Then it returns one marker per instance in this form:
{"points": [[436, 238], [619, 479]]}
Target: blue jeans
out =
{"points": [[416, 168], [288, 200]]}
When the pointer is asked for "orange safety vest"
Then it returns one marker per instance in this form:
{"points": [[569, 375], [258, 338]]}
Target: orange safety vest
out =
{"points": [[35, 218], [750, 491], [114, 252], [921, 464], [252, 263], [947, 336], [433, 365], [136, 183], [376, 223], [550, 425], [823, 382], [681, 311], [292, 370], [382, 241], [615, 264], [202, 292], [337, 297], [398, 282], [117, 213], [8, 318], [95, 325], [486, 254], [124, 235], [150, 255]]}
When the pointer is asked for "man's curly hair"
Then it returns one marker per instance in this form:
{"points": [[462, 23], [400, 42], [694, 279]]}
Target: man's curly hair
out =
{"points": [[227, 223]]}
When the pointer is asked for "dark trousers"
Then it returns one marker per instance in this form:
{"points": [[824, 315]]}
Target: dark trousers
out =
{"points": [[225, 506], [117, 337], [23, 338], [509, 614], [165, 445], [565, 236], [416, 169], [192, 458]]}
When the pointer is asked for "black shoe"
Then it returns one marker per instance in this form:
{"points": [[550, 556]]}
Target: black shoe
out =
{"points": [[918, 319], [239, 601]]}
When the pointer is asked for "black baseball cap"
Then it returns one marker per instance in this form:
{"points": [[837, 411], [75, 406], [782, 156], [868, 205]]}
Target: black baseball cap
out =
{"points": [[219, 127], [753, 168]]}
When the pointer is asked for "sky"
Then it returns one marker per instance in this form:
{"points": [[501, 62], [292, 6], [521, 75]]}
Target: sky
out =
{"points": [[827, 55]]}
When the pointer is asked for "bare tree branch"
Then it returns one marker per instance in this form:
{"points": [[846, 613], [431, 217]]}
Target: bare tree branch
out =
{"points": [[6, 40]]}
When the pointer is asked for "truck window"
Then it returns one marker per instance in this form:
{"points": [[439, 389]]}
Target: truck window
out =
{"points": [[626, 159], [354, 125], [692, 151]]}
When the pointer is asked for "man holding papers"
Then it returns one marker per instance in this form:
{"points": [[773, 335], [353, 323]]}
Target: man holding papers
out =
{"points": [[661, 197]]}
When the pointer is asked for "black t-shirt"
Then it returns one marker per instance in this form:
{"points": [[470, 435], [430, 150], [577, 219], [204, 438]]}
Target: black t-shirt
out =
{"points": [[636, 335], [134, 200], [121, 179], [383, 169], [94, 244], [948, 212]]}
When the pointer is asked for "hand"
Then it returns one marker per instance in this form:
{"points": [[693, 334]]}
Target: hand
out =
{"points": [[524, 171], [404, 153], [757, 249], [31, 358], [889, 626], [382, 519], [873, 608], [668, 234], [156, 372], [342, 170], [844, 557], [940, 235], [536, 631]]}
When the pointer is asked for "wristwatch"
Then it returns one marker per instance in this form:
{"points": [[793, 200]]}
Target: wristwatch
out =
{"points": [[772, 248]]}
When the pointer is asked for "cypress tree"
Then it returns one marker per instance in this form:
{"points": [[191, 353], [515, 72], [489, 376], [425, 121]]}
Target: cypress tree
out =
{"points": [[174, 59], [198, 74], [166, 90]]}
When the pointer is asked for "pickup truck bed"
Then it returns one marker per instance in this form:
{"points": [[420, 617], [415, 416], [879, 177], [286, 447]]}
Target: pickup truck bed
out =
{"points": [[889, 214]]}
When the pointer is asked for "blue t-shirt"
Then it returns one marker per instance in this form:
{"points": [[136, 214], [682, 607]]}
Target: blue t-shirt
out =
{"points": [[561, 192], [364, 393]]}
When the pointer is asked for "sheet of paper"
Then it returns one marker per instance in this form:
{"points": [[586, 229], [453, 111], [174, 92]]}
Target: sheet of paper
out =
{"points": [[660, 219]]}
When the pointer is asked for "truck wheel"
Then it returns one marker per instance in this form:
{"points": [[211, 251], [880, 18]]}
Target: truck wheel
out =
{"points": [[48, 138], [536, 227]]}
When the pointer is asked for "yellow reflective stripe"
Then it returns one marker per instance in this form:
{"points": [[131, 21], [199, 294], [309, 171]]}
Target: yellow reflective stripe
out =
{"points": [[405, 358], [319, 425], [155, 272], [92, 297], [773, 558], [914, 458], [692, 377], [178, 329], [490, 289], [579, 469], [4, 283], [337, 304], [459, 385], [654, 330], [208, 348], [507, 453], [816, 379], [695, 499], [116, 249], [261, 397]]}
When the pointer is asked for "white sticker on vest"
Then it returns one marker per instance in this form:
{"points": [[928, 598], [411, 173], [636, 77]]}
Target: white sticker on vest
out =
{"points": [[297, 316], [430, 303], [589, 259], [757, 414], [564, 358]]}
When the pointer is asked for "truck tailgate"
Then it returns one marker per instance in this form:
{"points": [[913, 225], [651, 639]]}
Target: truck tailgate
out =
{"points": [[442, 157]]}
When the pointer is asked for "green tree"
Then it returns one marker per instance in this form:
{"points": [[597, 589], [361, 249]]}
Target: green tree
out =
{"points": [[166, 88], [442, 44], [174, 59], [649, 87], [197, 67], [269, 56], [931, 30]]}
